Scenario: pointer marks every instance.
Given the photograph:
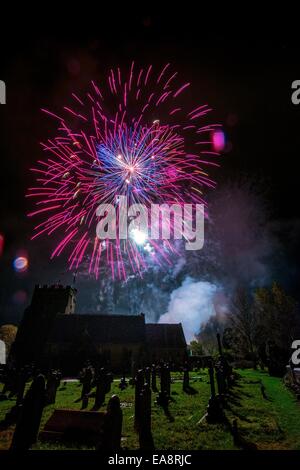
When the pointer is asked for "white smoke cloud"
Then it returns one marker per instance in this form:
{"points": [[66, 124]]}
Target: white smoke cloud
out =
{"points": [[191, 304]]}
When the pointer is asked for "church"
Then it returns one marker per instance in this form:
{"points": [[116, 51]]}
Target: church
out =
{"points": [[52, 335]]}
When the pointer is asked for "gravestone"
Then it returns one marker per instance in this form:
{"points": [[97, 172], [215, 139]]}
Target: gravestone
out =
{"points": [[134, 370], [165, 386], [212, 381], [145, 435], [108, 382], [186, 379], [28, 424], [53, 382], [214, 408], [87, 379], [139, 383], [102, 429], [123, 383], [100, 389], [85, 402], [220, 377], [148, 375], [224, 377], [165, 380], [112, 426], [74, 425], [153, 379]]}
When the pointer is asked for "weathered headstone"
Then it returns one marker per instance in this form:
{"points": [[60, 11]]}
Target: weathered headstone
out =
{"points": [[214, 408], [139, 383], [113, 425], [85, 402], [28, 424], [186, 379], [102, 429], [53, 382], [220, 377], [165, 380], [148, 375], [133, 370], [224, 377], [100, 389], [108, 382], [87, 381], [145, 435], [212, 381], [80, 426], [153, 378], [123, 383]]}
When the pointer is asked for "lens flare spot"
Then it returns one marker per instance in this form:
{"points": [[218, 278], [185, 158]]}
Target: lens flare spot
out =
{"points": [[218, 140], [20, 264]]}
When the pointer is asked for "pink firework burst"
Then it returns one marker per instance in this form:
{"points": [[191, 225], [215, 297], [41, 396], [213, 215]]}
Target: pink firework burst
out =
{"points": [[130, 136]]}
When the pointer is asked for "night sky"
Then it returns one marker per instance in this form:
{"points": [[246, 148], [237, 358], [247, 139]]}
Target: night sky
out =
{"points": [[244, 75]]}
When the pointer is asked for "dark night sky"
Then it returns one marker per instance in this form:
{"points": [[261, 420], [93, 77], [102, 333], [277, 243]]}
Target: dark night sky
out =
{"points": [[244, 74]]}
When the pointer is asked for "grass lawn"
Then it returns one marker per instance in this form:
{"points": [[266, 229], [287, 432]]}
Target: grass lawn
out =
{"points": [[272, 423]]}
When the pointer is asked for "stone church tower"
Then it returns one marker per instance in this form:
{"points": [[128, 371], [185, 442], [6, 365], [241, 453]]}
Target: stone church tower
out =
{"points": [[47, 302]]}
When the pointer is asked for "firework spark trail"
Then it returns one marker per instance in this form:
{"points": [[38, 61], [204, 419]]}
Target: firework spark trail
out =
{"points": [[132, 137]]}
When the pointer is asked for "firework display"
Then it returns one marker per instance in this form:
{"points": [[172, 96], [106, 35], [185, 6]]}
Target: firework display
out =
{"points": [[132, 135]]}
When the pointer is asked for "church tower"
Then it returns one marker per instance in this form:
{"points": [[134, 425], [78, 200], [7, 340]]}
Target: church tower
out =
{"points": [[47, 302], [54, 299]]}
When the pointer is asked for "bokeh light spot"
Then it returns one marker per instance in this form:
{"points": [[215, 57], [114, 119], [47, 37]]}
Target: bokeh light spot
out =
{"points": [[20, 264], [218, 140]]}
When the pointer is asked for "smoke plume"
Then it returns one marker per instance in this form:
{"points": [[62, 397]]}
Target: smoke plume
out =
{"points": [[191, 304]]}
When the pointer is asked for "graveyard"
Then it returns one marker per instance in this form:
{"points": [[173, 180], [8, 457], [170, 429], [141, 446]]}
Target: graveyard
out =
{"points": [[149, 239], [128, 385], [266, 414]]}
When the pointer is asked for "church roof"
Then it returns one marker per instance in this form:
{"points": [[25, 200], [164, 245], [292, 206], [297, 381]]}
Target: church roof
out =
{"points": [[99, 328], [165, 335]]}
